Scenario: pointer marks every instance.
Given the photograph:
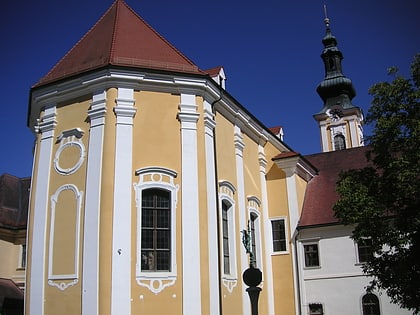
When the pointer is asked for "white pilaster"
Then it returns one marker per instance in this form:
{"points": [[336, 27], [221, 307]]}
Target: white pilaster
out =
{"points": [[191, 283], [37, 276], [214, 276], [121, 231], [268, 272], [243, 217], [90, 281], [326, 146]]}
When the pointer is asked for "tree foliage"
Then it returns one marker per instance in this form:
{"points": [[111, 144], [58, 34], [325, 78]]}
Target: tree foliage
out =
{"points": [[382, 199]]}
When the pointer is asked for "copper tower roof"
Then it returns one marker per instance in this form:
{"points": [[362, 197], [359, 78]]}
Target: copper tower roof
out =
{"points": [[120, 38]]}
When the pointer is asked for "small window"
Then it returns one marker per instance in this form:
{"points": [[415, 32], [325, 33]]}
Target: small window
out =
{"points": [[364, 250], [370, 304], [278, 230], [339, 142], [155, 230], [315, 309], [311, 255]]}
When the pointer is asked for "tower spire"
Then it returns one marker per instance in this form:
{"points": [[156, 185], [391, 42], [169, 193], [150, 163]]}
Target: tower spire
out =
{"points": [[337, 92]]}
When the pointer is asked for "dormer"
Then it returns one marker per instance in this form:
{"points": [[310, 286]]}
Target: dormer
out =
{"points": [[218, 75]]}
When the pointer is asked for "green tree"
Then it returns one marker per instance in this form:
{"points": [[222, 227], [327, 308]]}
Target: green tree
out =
{"points": [[382, 199]]}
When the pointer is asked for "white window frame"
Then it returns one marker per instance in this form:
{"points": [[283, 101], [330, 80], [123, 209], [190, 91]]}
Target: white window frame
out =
{"points": [[315, 242], [226, 194], [356, 247], [286, 233], [156, 178]]}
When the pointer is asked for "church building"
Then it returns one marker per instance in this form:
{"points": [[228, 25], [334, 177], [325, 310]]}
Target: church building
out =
{"points": [[153, 189]]}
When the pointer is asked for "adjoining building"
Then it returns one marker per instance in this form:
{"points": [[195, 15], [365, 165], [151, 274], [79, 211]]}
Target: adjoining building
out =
{"points": [[147, 171]]}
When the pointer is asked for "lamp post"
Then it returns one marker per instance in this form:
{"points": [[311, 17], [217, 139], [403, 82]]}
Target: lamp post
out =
{"points": [[252, 276]]}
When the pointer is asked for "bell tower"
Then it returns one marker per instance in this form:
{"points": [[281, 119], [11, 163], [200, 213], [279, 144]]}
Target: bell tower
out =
{"points": [[340, 121]]}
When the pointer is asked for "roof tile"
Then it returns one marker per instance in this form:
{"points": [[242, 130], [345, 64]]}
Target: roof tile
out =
{"points": [[120, 38]]}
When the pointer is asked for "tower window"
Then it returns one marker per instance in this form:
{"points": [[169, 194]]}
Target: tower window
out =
{"points": [[339, 142]]}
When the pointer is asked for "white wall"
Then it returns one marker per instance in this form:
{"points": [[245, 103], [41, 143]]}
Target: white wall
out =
{"points": [[338, 284]]}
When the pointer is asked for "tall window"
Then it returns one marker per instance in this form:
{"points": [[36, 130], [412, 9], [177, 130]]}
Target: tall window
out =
{"points": [[155, 230], [311, 255], [364, 250], [225, 228], [278, 230], [339, 142], [315, 309], [370, 304]]}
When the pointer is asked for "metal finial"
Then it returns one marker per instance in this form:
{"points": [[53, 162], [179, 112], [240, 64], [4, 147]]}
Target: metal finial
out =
{"points": [[326, 19]]}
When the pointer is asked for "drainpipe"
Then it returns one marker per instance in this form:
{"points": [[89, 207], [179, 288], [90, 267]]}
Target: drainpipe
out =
{"points": [[217, 202], [297, 272]]}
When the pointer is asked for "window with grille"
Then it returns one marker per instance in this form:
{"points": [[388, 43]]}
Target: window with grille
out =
{"points": [[315, 309], [370, 304], [278, 230], [156, 230], [311, 255]]}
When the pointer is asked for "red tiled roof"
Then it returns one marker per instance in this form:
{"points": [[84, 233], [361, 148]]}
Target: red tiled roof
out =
{"points": [[321, 194], [275, 130], [14, 202], [213, 71], [120, 38]]}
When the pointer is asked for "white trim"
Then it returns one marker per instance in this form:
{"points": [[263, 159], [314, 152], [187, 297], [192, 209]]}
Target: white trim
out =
{"points": [[243, 224], [121, 231], [214, 282], [61, 280], [90, 275], [268, 274], [68, 139], [286, 232], [163, 178], [226, 193], [191, 284], [37, 247], [310, 242]]}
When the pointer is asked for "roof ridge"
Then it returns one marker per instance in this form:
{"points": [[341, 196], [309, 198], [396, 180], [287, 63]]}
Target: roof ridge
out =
{"points": [[155, 32], [77, 43]]}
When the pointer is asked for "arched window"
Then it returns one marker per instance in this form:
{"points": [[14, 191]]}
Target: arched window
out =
{"points": [[156, 199], [370, 304], [339, 142]]}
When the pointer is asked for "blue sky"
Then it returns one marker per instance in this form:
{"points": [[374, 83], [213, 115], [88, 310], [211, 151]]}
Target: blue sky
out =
{"points": [[270, 51]]}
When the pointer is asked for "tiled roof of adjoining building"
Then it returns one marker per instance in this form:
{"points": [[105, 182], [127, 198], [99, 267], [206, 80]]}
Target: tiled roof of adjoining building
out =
{"points": [[321, 194], [14, 201]]}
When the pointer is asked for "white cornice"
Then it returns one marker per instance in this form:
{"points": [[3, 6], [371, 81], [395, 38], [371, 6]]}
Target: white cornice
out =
{"points": [[296, 165], [151, 81]]}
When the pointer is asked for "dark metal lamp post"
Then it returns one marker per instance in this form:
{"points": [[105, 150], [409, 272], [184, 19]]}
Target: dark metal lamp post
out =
{"points": [[251, 276]]}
